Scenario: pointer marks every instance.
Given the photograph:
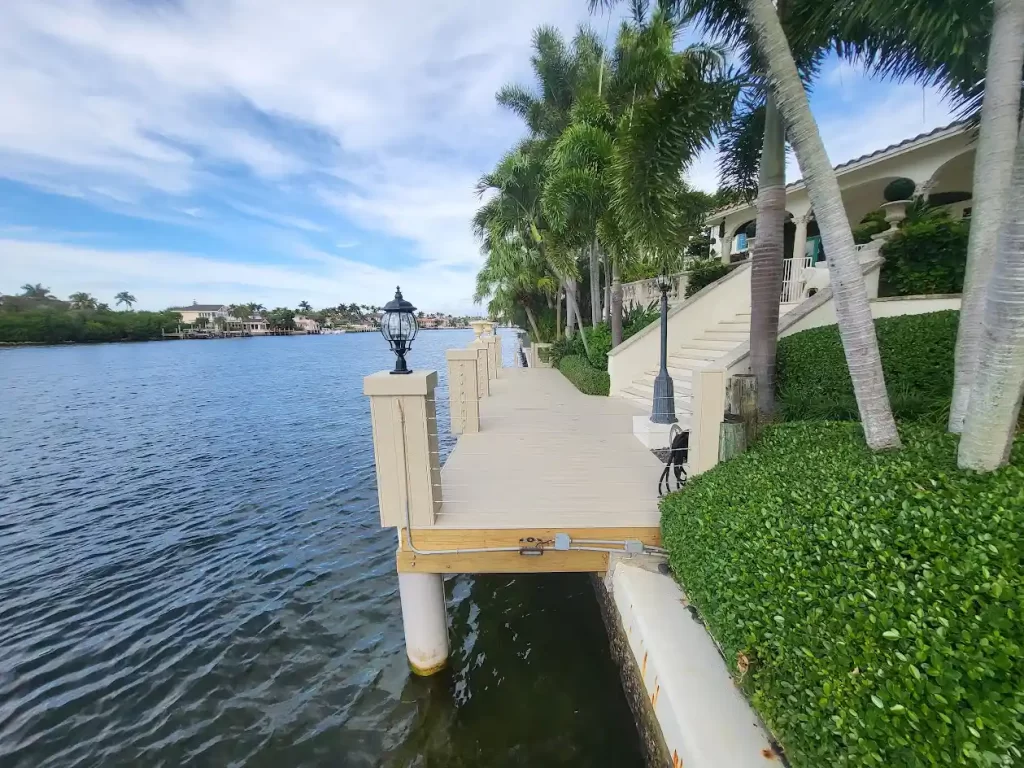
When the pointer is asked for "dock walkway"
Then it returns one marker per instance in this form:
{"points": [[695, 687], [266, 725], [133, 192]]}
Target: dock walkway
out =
{"points": [[547, 459]]}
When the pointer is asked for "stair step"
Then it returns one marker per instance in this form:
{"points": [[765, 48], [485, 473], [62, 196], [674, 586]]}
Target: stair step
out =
{"points": [[681, 379], [716, 334], [646, 388], [683, 411], [718, 344], [681, 361], [696, 353], [733, 324]]}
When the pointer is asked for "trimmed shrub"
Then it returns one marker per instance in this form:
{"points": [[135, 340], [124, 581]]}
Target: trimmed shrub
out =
{"points": [[917, 357], [599, 338], [926, 256], [703, 272], [872, 224], [870, 604], [899, 189], [588, 380]]}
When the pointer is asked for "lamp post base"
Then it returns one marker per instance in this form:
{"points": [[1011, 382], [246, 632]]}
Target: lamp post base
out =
{"points": [[664, 410]]}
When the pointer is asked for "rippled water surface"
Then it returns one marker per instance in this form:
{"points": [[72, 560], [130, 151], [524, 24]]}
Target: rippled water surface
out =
{"points": [[192, 573]]}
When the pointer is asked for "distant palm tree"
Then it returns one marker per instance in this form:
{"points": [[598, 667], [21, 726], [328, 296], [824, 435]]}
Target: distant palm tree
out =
{"points": [[36, 291], [82, 300], [220, 323], [305, 306], [255, 309], [125, 298], [201, 322]]}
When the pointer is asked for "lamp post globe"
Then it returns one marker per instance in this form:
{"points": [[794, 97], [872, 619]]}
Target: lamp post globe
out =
{"points": [[398, 326]]}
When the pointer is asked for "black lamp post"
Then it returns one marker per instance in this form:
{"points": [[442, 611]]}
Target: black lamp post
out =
{"points": [[664, 411], [399, 327]]}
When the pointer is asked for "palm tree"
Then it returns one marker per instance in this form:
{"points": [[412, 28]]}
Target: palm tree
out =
{"points": [[220, 323], [992, 176], [201, 322], [994, 407], [856, 326], [36, 291], [82, 300], [125, 298], [562, 73], [515, 211], [513, 275], [305, 306]]}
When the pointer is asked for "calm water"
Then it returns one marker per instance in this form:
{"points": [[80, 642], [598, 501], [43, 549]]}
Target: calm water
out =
{"points": [[192, 573]]}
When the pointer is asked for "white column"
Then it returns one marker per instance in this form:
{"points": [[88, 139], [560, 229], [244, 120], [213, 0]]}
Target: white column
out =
{"points": [[800, 239], [425, 621], [726, 249]]}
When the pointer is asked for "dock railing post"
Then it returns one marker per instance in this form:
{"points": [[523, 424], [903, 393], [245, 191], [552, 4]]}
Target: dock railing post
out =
{"points": [[483, 375], [403, 411], [405, 449], [708, 406], [463, 391]]}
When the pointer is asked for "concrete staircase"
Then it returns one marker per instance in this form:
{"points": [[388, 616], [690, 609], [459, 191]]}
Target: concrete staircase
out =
{"points": [[704, 350]]}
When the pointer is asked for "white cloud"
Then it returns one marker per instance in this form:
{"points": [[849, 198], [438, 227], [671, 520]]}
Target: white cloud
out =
{"points": [[160, 279], [128, 103]]}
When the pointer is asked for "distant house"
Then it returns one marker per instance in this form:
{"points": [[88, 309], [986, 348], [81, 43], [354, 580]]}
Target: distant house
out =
{"points": [[430, 321], [307, 324], [193, 312], [190, 314]]}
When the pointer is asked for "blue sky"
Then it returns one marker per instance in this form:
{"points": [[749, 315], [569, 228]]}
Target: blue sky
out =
{"points": [[255, 150]]}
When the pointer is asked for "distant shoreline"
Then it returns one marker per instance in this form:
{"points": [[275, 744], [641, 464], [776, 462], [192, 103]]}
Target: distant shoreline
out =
{"points": [[16, 344]]}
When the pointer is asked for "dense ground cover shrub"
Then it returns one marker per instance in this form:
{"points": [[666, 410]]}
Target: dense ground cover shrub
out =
{"points": [[925, 256], [703, 272], [588, 380], [917, 357], [59, 325], [872, 605]]}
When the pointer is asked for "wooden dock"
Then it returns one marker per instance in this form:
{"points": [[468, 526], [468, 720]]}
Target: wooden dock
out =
{"points": [[547, 460]]}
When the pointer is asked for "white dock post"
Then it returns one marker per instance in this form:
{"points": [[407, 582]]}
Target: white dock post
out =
{"points": [[463, 391], [405, 449], [425, 621]]}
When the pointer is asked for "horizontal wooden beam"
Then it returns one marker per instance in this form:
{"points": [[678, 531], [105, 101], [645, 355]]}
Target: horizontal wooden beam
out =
{"points": [[549, 560], [477, 538], [503, 562]]}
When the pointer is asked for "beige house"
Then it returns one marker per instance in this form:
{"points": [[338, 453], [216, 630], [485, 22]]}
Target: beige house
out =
{"points": [[307, 324], [940, 162], [195, 311], [190, 314]]}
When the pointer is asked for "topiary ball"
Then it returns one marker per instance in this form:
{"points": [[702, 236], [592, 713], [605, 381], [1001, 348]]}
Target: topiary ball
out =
{"points": [[899, 189]]}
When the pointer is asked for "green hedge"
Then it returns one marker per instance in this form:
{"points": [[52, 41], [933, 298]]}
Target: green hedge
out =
{"points": [[51, 326], [875, 601], [703, 272], [917, 357], [588, 380], [925, 256]]}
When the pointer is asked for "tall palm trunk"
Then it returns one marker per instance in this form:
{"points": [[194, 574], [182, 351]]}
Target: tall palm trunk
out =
{"points": [[558, 312], [595, 286], [606, 303], [992, 169], [532, 320], [994, 405], [856, 327], [573, 309], [570, 318], [766, 264], [615, 304]]}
